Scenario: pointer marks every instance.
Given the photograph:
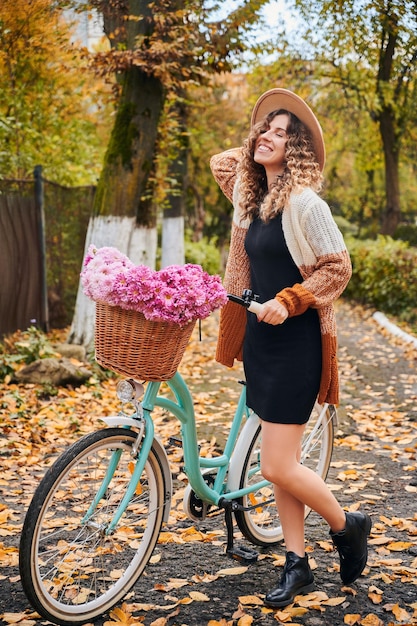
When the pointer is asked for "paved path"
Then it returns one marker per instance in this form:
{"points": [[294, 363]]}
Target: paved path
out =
{"points": [[374, 469]]}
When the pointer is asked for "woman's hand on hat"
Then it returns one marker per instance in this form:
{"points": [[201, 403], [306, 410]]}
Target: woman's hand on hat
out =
{"points": [[273, 312]]}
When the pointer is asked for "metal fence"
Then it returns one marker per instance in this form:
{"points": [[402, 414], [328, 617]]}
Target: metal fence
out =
{"points": [[42, 233]]}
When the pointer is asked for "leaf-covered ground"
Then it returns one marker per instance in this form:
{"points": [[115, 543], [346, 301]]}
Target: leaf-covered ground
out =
{"points": [[190, 582]]}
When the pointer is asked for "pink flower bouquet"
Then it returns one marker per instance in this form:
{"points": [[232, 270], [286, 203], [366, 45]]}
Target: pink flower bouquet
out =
{"points": [[178, 293]]}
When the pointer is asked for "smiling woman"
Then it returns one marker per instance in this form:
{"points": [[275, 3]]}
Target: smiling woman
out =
{"points": [[286, 247], [270, 147]]}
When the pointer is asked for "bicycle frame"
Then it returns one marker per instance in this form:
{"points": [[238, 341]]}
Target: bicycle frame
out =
{"points": [[183, 409]]}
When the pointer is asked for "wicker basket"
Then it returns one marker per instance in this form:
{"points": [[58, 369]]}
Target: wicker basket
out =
{"points": [[131, 345]]}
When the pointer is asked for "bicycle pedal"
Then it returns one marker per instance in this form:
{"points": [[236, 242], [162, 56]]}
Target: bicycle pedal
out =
{"points": [[243, 554], [175, 441]]}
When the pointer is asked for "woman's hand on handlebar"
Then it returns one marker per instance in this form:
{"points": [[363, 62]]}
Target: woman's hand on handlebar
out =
{"points": [[272, 312]]}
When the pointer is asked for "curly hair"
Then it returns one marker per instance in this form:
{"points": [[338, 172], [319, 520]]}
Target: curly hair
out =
{"points": [[301, 170]]}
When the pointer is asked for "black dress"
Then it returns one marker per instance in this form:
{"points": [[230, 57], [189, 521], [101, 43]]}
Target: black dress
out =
{"points": [[282, 363]]}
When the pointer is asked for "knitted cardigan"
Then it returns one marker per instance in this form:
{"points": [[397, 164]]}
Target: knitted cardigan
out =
{"points": [[317, 248]]}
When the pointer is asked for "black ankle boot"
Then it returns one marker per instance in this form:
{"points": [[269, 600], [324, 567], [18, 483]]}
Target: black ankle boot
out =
{"points": [[352, 545], [297, 578]]}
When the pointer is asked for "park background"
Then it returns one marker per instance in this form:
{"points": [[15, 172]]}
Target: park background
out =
{"points": [[119, 105], [108, 139]]}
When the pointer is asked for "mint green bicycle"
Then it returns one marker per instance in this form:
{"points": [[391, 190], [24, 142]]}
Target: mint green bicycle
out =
{"points": [[95, 518]]}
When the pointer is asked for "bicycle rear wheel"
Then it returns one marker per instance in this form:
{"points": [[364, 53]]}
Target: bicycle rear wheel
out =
{"points": [[261, 525], [72, 570]]}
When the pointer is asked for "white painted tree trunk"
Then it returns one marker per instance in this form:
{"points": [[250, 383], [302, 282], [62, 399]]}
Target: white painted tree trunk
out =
{"points": [[173, 241], [139, 244]]}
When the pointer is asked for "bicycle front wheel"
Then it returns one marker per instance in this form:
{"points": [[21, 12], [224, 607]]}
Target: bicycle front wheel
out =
{"points": [[260, 522], [72, 568]]}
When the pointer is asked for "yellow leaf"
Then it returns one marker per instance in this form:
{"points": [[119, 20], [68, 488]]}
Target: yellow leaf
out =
{"points": [[351, 619], [379, 541], [176, 583], [334, 601], [376, 598], [161, 621], [166, 537], [155, 558], [400, 614], [250, 600], [14, 618], [313, 599], [296, 611], [398, 546], [390, 562], [279, 560], [117, 614], [232, 571], [198, 596], [371, 620], [245, 620], [283, 616]]}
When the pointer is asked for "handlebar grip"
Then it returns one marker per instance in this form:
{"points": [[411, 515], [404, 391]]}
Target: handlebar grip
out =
{"points": [[255, 307]]}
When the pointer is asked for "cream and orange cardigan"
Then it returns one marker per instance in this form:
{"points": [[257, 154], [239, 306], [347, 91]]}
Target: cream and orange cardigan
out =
{"points": [[317, 248]]}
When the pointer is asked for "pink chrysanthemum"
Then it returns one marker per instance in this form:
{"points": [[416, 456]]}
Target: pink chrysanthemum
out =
{"points": [[176, 294]]}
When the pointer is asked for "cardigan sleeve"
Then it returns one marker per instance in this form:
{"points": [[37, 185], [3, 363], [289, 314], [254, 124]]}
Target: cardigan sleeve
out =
{"points": [[237, 276], [325, 284], [323, 261], [233, 316], [223, 167]]}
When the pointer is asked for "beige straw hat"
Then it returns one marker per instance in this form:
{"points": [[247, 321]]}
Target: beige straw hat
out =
{"points": [[276, 99]]}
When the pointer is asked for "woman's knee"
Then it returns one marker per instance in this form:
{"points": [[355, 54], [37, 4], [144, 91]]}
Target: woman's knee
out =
{"points": [[277, 473], [280, 452]]}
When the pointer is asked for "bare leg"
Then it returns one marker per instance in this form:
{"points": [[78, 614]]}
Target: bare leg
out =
{"points": [[295, 484], [291, 514]]}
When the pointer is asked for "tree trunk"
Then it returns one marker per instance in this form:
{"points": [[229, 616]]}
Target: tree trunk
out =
{"points": [[121, 217], [392, 213], [130, 153]]}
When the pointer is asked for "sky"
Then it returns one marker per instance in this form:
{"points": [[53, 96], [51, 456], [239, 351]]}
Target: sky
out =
{"points": [[275, 13], [89, 31]]}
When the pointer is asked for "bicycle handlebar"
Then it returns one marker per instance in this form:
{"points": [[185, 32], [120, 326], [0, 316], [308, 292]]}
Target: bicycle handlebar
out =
{"points": [[252, 305]]}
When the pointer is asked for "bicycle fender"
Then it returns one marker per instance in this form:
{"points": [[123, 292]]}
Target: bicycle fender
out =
{"points": [[119, 420], [239, 453]]}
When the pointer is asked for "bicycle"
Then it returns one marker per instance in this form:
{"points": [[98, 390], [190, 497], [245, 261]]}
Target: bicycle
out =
{"points": [[95, 518]]}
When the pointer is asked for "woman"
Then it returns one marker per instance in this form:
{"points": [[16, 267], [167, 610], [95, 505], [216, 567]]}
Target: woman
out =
{"points": [[286, 247]]}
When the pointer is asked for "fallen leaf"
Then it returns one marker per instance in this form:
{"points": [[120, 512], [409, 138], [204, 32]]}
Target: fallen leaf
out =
{"points": [[334, 601], [198, 596], [232, 571], [371, 620], [398, 546], [401, 615], [250, 600]]}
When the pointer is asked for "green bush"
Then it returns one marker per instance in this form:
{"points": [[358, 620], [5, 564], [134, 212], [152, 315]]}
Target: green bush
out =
{"points": [[23, 348], [384, 274], [203, 253], [407, 232]]}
